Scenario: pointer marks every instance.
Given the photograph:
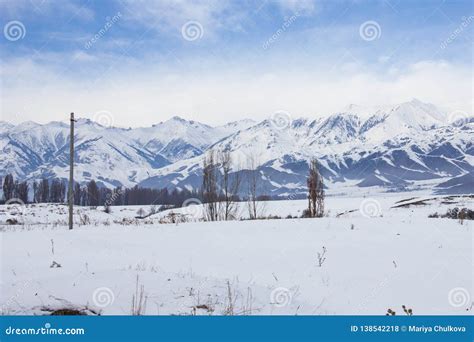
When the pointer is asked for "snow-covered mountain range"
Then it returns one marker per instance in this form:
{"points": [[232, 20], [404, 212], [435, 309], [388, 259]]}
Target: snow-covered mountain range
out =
{"points": [[409, 145]]}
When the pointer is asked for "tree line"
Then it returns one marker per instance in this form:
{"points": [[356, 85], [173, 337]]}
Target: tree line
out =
{"points": [[90, 194]]}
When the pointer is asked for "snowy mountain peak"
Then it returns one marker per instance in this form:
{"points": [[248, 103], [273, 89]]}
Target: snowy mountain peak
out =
{"points": [[356, 109], [361, 111], [403, 119], [430, 108], [177, 118], [26, 125], [419, 114], [180, 120], [240, 123], [416, 102], [338, 128], [4, 126], [87, 122]]}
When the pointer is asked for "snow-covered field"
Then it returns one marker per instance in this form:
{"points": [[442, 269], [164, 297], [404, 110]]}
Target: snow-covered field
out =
{"points": [[365, 257]]}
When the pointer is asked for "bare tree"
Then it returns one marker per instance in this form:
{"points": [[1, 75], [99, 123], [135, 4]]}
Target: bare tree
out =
{"points": [[77, 194], [210, 194], [57, 191], [8, 187], [35, 192], [93, 193], [22, 191], [229, 185], [44, 190], [255, 207], [315, 190]]}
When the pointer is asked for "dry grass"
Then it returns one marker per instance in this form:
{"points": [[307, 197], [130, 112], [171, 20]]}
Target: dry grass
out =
{"points": [[139, 300]]}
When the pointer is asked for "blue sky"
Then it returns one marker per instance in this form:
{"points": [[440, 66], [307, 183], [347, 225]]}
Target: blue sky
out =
{"points": [[247, 59]]}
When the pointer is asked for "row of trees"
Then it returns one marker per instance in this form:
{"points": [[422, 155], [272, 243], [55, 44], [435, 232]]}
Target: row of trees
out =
{"points": [[221, 188], [43, 191], [54, 191], [222, 182]]}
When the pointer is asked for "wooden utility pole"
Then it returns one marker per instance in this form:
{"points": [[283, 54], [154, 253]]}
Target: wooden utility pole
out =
{"points": [[71, 171]]}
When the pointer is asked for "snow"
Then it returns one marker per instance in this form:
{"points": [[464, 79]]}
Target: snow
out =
{"points": [[377, 257]]}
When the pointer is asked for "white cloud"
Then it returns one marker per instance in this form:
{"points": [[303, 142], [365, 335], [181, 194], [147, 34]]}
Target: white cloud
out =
{"points": [[37, 92], [171, 15]]}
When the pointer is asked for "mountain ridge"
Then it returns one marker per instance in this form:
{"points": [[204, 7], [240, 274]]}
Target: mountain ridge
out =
{"points": [[393, 148]]}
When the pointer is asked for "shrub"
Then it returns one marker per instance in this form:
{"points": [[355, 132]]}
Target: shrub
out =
{"points": [[173, 218], [456, 214], [306, 213], [84, 219], [12, 221]]}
